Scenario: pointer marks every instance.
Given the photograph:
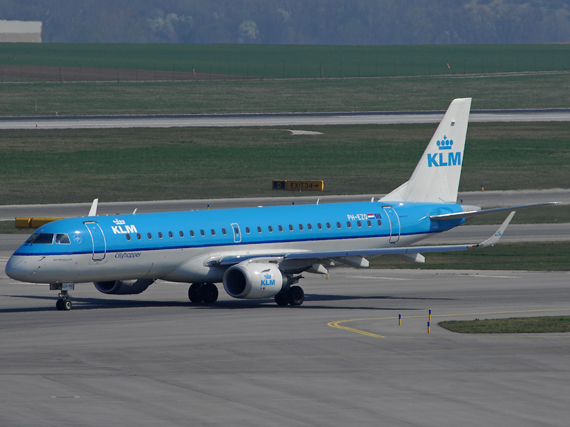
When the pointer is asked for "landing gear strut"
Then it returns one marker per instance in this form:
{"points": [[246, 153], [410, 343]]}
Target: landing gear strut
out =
{"points": [[64, 301], [293, 296], [206, 293]]}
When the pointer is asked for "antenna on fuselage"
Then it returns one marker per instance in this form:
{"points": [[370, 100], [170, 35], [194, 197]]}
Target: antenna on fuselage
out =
{"points": [[135, 211], [93, 210], [318, 201]]}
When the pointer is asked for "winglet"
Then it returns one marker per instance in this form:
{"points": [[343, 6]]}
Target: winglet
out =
{"points": [[493, 240], [93, 210]]}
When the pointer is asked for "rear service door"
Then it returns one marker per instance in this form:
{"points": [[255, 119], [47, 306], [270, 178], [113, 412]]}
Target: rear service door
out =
{"points": [[98, 239], [394, 223]]}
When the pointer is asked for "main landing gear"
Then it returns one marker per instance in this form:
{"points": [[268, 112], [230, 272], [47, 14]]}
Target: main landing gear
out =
{"points": [[293, 296], [64, 301], [206, 293]]}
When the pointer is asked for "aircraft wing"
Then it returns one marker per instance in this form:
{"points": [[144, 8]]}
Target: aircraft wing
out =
{"points": [[471, 214], [360, 253]]}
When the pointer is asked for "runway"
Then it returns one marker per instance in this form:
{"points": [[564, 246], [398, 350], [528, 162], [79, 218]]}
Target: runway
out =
{"points": [[154, 359], [276, 119]]}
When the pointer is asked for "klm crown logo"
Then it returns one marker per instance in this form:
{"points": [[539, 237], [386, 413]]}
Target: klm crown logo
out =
{"points": [[438, 159], [445, 144]]}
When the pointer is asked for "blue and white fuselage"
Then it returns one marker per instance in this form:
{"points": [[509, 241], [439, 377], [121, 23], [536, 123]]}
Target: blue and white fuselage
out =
{"points": [[187, 246], [256, 252]]}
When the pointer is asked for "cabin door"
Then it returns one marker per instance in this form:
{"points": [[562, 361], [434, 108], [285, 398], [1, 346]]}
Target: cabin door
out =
{"points": [[394, 223], [237, 232], [98, 240]]}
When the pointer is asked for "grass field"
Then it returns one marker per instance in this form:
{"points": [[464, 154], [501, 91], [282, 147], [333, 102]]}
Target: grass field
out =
{"points": [[258, 96], [517, 325], [60, 166], [548, 256], [293, 61]]}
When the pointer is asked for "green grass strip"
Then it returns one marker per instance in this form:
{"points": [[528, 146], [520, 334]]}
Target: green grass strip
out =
{"points": [[295, 61], [542, 256], [517, 325]]}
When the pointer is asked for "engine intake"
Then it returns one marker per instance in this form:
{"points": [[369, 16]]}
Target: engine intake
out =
{"points": [[123, 287], [252, 280]]}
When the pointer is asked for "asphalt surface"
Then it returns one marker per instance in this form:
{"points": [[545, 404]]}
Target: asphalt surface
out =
{"points": [[277, 119], [339, 360]]}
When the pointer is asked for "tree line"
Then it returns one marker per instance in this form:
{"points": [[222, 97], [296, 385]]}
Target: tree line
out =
{"points": [[328, 22]]}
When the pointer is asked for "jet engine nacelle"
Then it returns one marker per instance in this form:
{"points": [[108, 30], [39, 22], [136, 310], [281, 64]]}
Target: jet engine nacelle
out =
{"points": [[254, 280], [123, 287]]}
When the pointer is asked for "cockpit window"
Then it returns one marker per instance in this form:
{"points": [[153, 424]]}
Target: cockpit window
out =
{"points": [[62, 238], [41, 238]]}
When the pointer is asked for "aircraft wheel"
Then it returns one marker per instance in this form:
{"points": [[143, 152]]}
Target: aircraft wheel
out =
{"points": [[67, 304], [296, 295], [282, 298], [209, 293], [59, 304], [195, 293]]}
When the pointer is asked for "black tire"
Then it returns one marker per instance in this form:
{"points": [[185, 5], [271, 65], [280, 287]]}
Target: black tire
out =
{"points": [[59, 304], [209, 293], [296, 295], [282, 298], [67, 304], [195, 293]]}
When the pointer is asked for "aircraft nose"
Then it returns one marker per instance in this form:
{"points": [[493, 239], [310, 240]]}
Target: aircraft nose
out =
{"points": [[18, 268]]}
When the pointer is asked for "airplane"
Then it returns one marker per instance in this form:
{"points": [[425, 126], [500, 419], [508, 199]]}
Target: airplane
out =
{"points": [[258, 252]]}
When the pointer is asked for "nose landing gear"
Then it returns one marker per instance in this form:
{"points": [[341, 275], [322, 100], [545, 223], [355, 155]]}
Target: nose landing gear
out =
{"points": [[64, 301]]}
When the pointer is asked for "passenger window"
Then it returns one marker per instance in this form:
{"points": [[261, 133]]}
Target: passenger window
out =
{"points": [[170, 234], [301, 227], [270, 228], [319, 226], [348, 224], [329, 225], [213, 232], [202, 232], [62, 239], [181, 233], [338, 225], [247, 230], [369, 223], [236, 231], [160, 234], [280, 228], [139, 236], [149, 236], [224, 232], [380, 222], [309, 226], [291, 227], [191, 233], [128, 236], [259, 228], [359, 224]]}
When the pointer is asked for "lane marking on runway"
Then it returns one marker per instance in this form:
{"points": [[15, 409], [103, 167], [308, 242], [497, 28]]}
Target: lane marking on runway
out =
{"points": [[380, 277], [336, 324]]}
